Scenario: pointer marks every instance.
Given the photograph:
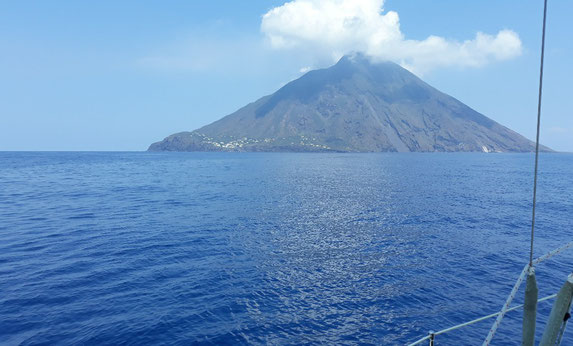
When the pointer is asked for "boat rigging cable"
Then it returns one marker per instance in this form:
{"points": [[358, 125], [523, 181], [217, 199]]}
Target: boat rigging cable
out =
{"points": [[537, 138], [529, 267]]}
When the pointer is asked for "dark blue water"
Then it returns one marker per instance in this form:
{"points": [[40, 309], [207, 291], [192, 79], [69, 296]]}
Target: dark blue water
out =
{"points": [[180, 248]]}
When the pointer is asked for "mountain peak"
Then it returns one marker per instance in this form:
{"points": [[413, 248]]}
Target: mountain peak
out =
{"points": [[354, 105], [355, 59], [366, 63]]}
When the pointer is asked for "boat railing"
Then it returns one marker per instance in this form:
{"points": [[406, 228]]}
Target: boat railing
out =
{"points": [[506, 307]]}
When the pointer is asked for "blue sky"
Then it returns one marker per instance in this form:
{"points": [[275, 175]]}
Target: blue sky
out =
{"points": [[118, 75]]}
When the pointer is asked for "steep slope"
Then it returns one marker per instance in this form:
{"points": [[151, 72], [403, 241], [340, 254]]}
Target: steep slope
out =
{"points": [[354, 106]]}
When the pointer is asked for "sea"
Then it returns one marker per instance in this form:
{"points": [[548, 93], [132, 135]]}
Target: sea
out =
{"points": [[138, 248]]}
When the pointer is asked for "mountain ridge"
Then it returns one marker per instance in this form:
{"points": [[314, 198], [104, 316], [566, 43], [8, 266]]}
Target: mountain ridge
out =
{"points": [[353, 106]]}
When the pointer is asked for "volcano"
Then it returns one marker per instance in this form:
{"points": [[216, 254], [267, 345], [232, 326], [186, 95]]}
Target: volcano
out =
{"points": [[354, 106]]}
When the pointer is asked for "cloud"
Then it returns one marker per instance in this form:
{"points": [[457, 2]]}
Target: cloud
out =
{"points": [[332, 28]]}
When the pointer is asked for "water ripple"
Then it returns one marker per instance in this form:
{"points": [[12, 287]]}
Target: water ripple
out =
{"points": [[222, 248]]}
